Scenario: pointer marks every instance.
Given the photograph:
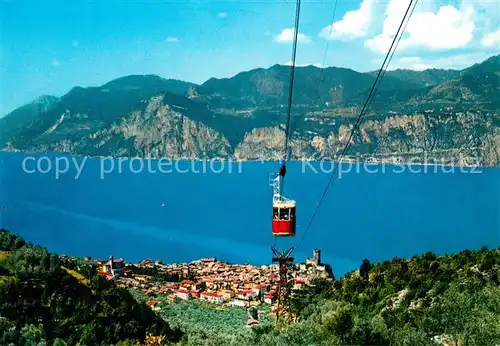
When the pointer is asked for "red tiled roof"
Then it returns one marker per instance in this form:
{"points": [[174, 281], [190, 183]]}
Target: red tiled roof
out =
{"points": [[210, 294], [182, 291]]}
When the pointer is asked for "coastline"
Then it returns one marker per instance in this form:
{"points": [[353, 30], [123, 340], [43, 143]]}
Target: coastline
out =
{"points": [[392, 159]]}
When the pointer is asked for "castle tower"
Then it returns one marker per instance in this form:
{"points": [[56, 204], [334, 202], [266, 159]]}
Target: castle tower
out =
{"points": [[111, 266], [317, 256]]}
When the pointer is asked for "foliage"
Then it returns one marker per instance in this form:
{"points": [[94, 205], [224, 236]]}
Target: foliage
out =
{"points": [[401, 302], [454, 298], [9, 241], [205, 324], [46, 302]]}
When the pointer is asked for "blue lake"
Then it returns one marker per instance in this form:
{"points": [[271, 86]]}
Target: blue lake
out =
{"points": [[182, 216]]}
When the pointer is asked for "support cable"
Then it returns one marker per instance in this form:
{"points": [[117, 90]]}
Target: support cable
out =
{"points": [[368, 101], [292, 80]]}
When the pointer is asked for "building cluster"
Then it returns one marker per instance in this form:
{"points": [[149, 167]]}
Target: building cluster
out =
{"points": [[215, 281]]}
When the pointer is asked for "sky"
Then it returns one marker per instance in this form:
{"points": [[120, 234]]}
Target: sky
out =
{"points": [[48, 47]]}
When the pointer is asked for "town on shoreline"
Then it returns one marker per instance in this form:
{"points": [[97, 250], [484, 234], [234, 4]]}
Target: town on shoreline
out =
{"points": [[210, 280]]}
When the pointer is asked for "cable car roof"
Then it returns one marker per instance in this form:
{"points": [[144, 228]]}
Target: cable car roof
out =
{"points": [[284, 204]]}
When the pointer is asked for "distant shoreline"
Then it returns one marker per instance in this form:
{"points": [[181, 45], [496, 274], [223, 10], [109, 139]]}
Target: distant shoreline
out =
{"points": [[349, 159]]}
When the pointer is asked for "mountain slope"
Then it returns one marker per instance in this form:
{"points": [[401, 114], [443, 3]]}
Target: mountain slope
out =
{"points": [[46, 300], [492, 64], [25, 117], [453, 122], [269, 87], [89, 108], [422, 79]]}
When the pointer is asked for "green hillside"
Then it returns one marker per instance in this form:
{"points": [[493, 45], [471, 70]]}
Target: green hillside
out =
{"points": [[424, 300], [242, 117], [45, 301]]}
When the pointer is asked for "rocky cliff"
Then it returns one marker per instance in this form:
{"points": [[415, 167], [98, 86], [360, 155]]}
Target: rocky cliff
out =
{"points": [[455, 121]]}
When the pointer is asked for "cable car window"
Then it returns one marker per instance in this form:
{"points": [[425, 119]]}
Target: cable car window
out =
{"points": [[284, 213], [292, 214], [275, 213]]}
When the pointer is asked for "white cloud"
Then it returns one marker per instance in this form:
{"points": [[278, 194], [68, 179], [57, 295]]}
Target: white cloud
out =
{"points": [[448, 28], [172, 39], [353, 24], [222, 14], [289, 63], [457, 62], [288, 34], [491, 39]]}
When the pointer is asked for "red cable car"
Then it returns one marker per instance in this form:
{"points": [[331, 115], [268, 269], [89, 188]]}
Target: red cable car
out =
{"points": [[283, 209]]}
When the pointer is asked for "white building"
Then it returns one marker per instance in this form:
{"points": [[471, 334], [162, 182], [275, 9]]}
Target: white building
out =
{"points": [[238, 302], [247, 294], [113, 267], [212, 297], [260, 290], [183, 294]]}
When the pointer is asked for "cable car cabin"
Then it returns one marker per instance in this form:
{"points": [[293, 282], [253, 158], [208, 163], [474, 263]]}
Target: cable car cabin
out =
{"points": [[284, 218]]}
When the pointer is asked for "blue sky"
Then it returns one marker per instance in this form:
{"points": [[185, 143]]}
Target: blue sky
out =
{"points": [[47, 47]]}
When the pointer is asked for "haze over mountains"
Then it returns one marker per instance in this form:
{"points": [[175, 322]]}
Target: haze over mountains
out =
{"points": [[450, 116]]}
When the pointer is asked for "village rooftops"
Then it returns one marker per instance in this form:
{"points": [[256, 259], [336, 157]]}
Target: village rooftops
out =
{"points": [[210, 294]]}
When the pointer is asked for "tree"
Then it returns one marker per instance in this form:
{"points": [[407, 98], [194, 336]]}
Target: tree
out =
{"points": [[59, 342], [409, 336], [32, 336], [364, 269], [434, 267], [8, 332]]}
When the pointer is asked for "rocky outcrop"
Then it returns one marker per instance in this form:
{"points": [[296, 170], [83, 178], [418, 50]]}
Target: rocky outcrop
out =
{"points": [[160, 131], [456, 122]]}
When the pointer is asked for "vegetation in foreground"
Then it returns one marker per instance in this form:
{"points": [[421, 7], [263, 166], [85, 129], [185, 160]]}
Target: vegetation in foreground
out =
{"points": [[46, 300], [424, 300], [204, 323]]}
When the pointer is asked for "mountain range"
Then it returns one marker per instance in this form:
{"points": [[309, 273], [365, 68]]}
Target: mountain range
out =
{"points": [[451, 116]]}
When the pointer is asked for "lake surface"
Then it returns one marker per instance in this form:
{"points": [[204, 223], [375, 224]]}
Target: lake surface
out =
{"points": [[188, 211]]}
